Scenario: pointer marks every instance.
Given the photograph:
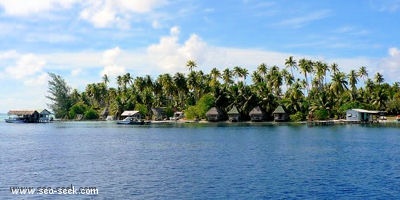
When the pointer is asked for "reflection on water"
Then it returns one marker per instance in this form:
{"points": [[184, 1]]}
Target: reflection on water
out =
{"points": [[202, 161]]}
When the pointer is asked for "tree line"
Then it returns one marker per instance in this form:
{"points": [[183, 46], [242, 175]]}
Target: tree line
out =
{"points": [[306, 89]]}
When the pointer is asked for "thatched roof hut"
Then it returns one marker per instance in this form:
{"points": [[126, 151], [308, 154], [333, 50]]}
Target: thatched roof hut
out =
{"points": [[28, 116], [257, 114], [280, 114], [214, 114], [233, 114]]}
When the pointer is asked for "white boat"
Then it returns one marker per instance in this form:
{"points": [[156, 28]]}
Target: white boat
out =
{"points": [[131, 121], [15, 120]]}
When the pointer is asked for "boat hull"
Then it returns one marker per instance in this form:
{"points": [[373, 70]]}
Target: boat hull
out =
{"points": [[130, 122], [14, 121]]}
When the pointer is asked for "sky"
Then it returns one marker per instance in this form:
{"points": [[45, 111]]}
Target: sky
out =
{"points": [[83, 39]]}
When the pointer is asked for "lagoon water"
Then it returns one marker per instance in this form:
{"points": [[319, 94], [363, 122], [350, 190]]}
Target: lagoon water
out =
{"points": [[201, 161]]}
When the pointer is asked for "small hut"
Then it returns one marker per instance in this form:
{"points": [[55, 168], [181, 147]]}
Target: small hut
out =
{"points": [[257, 114], [131, 113], [280, 114], [44, 116], [214, 114], [233, 114], [159, 114], [27, 116]]}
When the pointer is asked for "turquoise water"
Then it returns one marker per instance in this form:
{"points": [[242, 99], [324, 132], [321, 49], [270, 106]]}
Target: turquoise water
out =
{"points": [[213, 161]]}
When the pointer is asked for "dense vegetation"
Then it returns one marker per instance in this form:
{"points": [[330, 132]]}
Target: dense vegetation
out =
{"points": [[305, 88]]}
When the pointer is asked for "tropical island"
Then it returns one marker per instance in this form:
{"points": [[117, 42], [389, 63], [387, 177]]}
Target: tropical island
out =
{"points": [[307, 89]]}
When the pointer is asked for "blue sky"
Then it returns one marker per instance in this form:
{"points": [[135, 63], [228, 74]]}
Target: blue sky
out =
{"points": [[81, 40]]}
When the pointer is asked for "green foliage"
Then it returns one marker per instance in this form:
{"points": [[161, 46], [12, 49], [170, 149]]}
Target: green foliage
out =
{"points": [[91, 114], [142, 109], [321, 114], [297, 117], [59, 95], [191, 113], [201, 108], [78, 108]]}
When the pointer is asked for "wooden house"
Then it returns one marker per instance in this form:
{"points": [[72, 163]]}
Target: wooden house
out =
{"points": [[44, 116], [214, 114], [361, 115], [257, 114], [23, 116], [280, 114], [234, 114]]}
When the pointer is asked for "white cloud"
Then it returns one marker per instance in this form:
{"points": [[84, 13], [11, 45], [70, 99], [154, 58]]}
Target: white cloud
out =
{"points": [[298, 22], [76, 72], [390, 65], [100, 13], [26, 8], [39, 80], [107, 13], [26, 65], [110, 61]]}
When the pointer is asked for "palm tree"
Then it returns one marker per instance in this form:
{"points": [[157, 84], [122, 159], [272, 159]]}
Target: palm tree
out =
{"points": [[191, 65], [334, 68], [289, 79], [237, 72], [227, 77], [362, 72], [181, 86], [291, 63], [127, 79], [106, 80], [378, 78], [353, 80], [339, 83], [262, 69], [306, 67], [320, 69], [275, 80], [215, 75]]}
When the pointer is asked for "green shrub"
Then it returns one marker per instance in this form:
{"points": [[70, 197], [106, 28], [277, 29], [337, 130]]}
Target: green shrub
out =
{"points": [[201, 108], [76, 109], [91, 114], [191, 113], [142, 109], [321, 114], [297, 117]]}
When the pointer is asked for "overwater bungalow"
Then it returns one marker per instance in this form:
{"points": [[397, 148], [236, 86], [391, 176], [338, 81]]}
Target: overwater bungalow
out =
{"points": [[280, 114], [234, 114], [23, 116], [214, 114], [361, 115], [257, 114], [44, 116]]}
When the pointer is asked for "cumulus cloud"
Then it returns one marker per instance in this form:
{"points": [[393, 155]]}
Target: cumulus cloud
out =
{"points": [[100, 13], [109, 60], [26, 8], [171, 56], [391, 64], [106, 13], [26, 65]]}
